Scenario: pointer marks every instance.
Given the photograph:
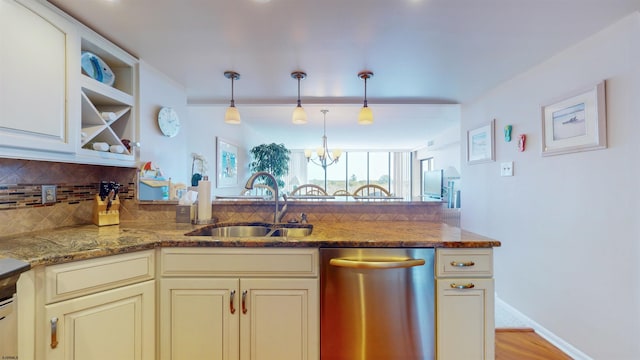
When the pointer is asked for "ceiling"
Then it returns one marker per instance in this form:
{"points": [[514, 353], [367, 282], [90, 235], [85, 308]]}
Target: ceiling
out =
{"points": [[422, 52]]}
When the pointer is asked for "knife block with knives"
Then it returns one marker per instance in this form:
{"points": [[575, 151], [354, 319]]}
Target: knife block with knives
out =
{"points": [[106, 205]]}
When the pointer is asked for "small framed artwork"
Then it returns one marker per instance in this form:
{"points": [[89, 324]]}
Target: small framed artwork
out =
{"points": [[480, 144], [227, 164], [576, 123]]}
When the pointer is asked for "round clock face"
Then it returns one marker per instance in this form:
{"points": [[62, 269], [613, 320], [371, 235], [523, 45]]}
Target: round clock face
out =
{"points": [[168, 122]]}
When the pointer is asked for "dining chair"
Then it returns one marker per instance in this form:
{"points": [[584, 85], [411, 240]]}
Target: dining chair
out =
{"points": [[309, 189], [371, 190]]}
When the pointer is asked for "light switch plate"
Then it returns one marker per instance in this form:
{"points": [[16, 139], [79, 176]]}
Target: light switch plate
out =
{"points": [[49, 194], [506, 168]]}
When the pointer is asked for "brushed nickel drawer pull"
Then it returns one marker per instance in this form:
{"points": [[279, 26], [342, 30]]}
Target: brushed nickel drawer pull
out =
{"points": [[231, 300], [462, 264], [462, 286], [244, 302], [54, 332]]}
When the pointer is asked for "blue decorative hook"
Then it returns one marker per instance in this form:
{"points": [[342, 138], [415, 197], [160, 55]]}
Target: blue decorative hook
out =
{"points": [[507, 133]]}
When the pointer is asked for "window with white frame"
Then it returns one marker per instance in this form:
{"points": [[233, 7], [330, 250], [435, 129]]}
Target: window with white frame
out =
{"points": [[391, 170]]}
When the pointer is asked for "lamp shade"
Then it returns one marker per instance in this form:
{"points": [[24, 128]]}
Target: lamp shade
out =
{"points": [[366, 116], [232, 116], [299, 116]]}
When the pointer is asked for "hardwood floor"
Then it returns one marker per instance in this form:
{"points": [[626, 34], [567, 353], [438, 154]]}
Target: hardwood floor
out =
{"points": [[525, 344]]}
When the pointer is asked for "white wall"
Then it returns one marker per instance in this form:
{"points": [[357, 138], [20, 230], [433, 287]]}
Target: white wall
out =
{"points": [[171, 155], [205, 123], [569, 224]]}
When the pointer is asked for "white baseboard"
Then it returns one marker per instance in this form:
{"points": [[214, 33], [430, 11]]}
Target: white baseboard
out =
{"points": [[546, 334]]}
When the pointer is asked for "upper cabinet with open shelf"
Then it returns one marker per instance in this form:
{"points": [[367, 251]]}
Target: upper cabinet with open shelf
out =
{"points": [[51, 109], [108, 115]]}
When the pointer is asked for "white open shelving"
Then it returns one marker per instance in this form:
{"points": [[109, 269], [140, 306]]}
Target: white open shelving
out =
{"points": [[119, 99]]}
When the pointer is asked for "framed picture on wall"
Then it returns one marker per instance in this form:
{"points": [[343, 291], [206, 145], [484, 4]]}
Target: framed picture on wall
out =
{"points": [[227, 164], [480, 144], [575, 123]]}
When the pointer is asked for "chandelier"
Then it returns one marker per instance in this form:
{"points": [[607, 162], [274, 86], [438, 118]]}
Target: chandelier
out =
{"points": [[324, 157]]}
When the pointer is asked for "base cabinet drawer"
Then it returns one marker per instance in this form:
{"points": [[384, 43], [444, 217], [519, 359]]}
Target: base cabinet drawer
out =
{"points": [[464, 263], [65, 281]]}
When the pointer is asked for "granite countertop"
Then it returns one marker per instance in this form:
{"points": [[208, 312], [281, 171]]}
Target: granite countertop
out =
{"points": [[88, 241]]}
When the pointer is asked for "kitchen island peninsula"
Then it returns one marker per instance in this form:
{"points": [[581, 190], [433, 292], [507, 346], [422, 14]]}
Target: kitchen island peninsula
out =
{"points": [[91, 287]]}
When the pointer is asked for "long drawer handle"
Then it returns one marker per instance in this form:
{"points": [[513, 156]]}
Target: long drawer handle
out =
{"points": [[231, 301], [462, 286], [362, 264], [54, 332], [462, 264], [244, 302]]}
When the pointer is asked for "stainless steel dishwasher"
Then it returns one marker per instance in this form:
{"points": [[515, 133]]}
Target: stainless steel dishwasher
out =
{"points": [[377, 304]]}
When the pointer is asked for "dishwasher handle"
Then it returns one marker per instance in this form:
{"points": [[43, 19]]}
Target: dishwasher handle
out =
{"points": [[376, 264]]}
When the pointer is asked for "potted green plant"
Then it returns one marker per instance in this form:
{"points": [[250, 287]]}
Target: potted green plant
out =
{"points": [[272, 158]]}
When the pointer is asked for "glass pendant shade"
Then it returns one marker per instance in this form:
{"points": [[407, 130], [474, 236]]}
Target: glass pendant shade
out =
{"points": [[232, 116], [299, 116], [366, 116]]}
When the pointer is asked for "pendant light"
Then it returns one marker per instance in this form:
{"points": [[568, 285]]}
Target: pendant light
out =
{"points": [[366, 115], [299, 115], [232, 116]]}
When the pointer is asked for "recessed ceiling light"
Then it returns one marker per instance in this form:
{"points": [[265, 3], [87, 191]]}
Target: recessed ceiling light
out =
{"points": [[262, 1]]}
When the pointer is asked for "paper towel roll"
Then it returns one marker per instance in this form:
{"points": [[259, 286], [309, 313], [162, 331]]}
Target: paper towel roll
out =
{"points": [[204, 199]]}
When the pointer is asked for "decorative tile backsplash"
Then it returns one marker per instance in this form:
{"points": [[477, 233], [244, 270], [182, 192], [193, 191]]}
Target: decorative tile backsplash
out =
{"points": [[21, 208]]}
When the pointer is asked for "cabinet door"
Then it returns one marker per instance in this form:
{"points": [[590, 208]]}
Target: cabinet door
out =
{"points": [[35, 63], [281, 319], [114, 324], [465, 320], [199, 319]]}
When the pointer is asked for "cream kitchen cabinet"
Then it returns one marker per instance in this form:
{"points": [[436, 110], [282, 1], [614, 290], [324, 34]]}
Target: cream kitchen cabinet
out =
{"points": [[102, 308], [239, 304], [465, 304], [51, 109], [38, 48]]}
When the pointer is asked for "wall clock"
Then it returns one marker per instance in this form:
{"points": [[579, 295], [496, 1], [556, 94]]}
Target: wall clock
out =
{"points": [[168, 122]]}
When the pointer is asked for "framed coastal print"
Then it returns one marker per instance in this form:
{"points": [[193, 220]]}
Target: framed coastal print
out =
{"points": [[227, 164], [480, 144], [575, 123]]}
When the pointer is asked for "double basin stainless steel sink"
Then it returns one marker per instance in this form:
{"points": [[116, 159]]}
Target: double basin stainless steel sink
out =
{"points": [[253, 230]]}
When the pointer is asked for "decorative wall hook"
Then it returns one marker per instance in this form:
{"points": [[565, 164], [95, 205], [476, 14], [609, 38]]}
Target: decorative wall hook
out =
{"points": [[507, 133], [521, 142]]}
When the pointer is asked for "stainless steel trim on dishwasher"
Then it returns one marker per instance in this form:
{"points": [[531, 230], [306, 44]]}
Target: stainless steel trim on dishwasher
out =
{"points": [[377, 304]]}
